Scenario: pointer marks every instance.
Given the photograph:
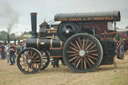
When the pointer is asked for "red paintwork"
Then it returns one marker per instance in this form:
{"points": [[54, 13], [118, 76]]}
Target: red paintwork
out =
{"points": [[100, 27]]}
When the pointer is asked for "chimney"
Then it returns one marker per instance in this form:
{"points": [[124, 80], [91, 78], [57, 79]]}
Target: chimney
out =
{"points": [[34, 24]]}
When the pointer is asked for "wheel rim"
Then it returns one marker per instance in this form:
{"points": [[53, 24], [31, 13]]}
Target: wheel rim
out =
{"points": [[45, 60], [82, 53], [29, 61]]}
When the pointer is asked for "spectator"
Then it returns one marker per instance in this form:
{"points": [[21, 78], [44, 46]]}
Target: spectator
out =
{"points": [[62, 61], [55, 62], [7, 53], [0, 51], [12, 51], [21, 46], [18, 49]]}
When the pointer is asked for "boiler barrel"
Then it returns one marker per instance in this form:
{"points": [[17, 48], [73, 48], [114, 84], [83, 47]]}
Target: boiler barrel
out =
{"points": [[43, 44]]}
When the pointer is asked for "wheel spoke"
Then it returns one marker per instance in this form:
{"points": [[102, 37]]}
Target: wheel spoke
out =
{"points": [[71, 52], [37, 65], [27, 68], [32, 66], [24, 67], [44, 61], [24, 55], [87, 62], [82, 63], [74, 45], [94, 54], [35, 61], [76, 54], [34, 55], [77, 59], [86, 42], [83, 43], [92, 47], [88, 45], [92, 57], [77, 44], [90, 60], [74, 49], [91, 51], [73, 58], [78, 63], [30, 53], [24, 64], [44, 58]]}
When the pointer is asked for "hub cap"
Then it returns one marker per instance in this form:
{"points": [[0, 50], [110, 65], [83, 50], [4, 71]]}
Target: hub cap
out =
{"points": [[82, 53], [29, 61], [67, 31]]}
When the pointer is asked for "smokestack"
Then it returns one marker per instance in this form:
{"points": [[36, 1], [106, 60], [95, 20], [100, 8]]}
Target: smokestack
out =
{"points": [[34, 24]]}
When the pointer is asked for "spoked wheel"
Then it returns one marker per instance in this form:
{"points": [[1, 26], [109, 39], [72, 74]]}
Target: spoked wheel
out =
{"points": [[29, 60], [45, 60], [82, 52]]}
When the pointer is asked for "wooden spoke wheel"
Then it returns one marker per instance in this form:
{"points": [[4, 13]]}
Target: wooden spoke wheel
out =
{"points": [[45, 60], [29, 61], [82, 52]]}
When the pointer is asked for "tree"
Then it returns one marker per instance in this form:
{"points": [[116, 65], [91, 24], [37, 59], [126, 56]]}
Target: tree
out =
{"points": [[3, 36]]}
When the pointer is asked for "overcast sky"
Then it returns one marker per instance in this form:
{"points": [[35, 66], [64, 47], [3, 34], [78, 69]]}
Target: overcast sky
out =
{"points": [[46, 9]]}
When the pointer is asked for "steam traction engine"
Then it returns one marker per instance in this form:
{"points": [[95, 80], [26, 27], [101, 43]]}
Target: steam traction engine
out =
{"points": [[84, 40]]}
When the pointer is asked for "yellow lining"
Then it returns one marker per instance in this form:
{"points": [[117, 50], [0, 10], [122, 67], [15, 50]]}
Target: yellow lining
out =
{"points": [[51, 43], [37, 42]]}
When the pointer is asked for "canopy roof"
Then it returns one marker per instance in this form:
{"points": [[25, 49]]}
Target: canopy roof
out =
{"points": [[93, 16]]}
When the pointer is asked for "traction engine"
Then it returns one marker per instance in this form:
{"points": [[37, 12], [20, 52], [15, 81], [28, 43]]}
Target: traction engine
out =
{"points": [[84, 40]]}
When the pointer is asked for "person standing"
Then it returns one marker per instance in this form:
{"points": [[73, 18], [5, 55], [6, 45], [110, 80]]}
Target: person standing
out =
{"points": [[12, 51], [0, 52], [7, 53], [3, 51], [18, 49]]}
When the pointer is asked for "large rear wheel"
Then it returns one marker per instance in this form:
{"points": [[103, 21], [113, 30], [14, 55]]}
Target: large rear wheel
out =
{"points": [[82, 52]]}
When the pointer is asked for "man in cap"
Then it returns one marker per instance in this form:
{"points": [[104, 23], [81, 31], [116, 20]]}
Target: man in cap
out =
{"points": [[12, 51]]}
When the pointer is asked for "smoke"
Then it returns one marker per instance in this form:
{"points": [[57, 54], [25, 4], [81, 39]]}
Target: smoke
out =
{"points": [[8, 16]]}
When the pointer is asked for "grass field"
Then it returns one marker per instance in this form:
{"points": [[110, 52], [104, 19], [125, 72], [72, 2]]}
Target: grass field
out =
{"points": [[104, 75]]}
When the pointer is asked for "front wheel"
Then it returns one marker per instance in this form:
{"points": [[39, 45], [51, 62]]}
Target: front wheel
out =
{"points": [[29, 61]]}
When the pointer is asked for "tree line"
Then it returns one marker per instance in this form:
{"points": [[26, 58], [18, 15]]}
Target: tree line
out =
{"points": [[12, 36]]}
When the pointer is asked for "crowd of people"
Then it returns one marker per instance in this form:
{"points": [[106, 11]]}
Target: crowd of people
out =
{"points": [[10, 51]]}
